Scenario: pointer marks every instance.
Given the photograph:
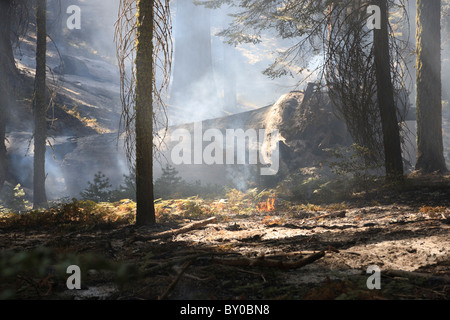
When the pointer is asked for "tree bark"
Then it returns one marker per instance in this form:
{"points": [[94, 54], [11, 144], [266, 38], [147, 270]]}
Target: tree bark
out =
{"points": [[145, 214], [385, 94], [40, 107], [7, 71], [430, 149]]}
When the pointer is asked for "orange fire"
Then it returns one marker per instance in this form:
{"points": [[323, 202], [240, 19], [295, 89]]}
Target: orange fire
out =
{"points": [[267, 206]]}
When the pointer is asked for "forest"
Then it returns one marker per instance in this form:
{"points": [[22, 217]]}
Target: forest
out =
{"points": [[266, 151]]}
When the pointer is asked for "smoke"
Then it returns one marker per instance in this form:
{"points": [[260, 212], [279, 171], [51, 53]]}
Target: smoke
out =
{"points": [[96, 33], [20, 158], [212, 78]]}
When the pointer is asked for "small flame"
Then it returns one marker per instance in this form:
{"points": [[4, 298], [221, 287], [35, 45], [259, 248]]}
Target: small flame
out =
{"points": [[267, 206]]}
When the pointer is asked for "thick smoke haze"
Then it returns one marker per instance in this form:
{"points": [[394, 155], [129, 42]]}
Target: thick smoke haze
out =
{"points": [[227, 71], [210, 78]]}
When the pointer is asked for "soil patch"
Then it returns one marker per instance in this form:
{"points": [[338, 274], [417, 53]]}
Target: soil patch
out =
{"points": [[293, 252]]}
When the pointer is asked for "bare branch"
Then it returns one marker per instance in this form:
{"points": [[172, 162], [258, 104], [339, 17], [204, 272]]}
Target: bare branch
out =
{"points": [[125, 39]]}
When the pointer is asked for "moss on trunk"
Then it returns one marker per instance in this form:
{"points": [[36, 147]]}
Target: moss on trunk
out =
{"points": [[145, 214]]}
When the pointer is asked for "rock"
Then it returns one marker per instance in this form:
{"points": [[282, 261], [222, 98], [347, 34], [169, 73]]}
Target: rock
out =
{"points": [[306, 128]]}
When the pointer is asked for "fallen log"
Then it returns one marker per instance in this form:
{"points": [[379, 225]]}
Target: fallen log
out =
{"points": [[173, 233], [413, 274], [160, 265], [271, 263]]}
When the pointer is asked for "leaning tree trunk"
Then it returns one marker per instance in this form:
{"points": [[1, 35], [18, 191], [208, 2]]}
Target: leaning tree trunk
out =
{"points": [[430, 149], [145, 214], [385, 95], [40, 107]]}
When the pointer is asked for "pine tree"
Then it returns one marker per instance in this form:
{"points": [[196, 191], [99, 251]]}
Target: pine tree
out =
{"points": [[430, 149], [145, 214], [143, 43], [40, 107], [99, 190], [385, 94], [7, 69], [167, 184]]}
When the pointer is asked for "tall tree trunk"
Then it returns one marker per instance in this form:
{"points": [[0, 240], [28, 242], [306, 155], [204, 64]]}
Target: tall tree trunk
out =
{"points": [[40, 107], [193, 86], [145, 214], [385, 94], [7, 71], [430, 149]]}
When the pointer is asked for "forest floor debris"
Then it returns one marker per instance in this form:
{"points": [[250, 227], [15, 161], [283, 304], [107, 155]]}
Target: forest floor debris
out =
{"points": [[228, 249]]}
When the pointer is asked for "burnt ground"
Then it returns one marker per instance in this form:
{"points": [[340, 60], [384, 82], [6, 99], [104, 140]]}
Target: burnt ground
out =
{"points": [[252, 255]]}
